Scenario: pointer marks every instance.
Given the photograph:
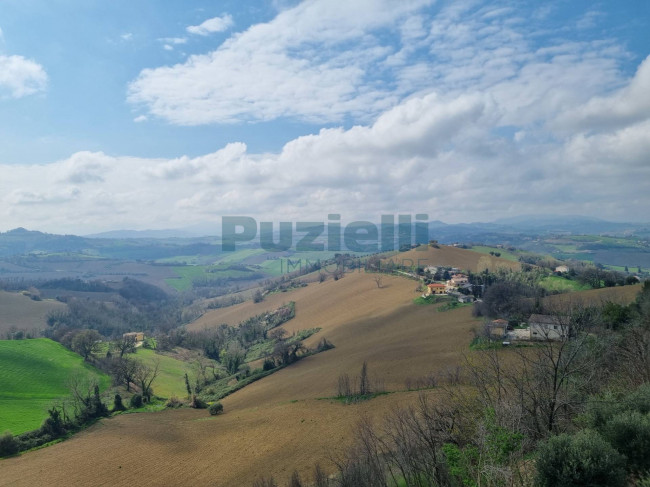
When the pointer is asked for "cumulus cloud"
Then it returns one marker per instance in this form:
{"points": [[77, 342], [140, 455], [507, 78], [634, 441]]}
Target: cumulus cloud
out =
{"points": [[311, 62], [210, 26], [21, 77], [432, 153], [471, 114]]}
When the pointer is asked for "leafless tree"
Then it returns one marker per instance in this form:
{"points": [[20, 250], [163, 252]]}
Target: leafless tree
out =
{"points": [[144, 376], [126, 344], [378, 281]]}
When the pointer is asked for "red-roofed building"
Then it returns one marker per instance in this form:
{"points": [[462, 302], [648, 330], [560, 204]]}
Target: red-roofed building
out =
{"points": [[436, 288]]}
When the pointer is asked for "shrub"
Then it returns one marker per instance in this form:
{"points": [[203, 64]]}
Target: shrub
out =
{"points": [[216, 408], [173, 402], [198, 403], [269, 364], [8, 445], [118, 405], [136, 401], [629, 433], [583, 459]]}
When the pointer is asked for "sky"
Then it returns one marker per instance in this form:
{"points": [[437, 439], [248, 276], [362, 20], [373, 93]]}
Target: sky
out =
{"points": [[155, 115]]}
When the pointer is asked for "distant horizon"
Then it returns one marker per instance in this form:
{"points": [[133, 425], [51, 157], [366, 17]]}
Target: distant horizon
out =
{"points": [[195, 231]]}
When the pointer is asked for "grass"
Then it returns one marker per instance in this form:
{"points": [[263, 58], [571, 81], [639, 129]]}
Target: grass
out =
{"points": [[561, 284], [33, 375], [431, 299], [453, 305], [187, 274], [171, 373]]}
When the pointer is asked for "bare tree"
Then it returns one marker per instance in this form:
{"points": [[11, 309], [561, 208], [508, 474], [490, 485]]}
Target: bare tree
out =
{"points": [[124, 371], [86, 343], [126, 344], [378, 281], [144, 376]]}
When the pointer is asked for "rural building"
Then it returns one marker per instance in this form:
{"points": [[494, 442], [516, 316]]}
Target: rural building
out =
{"points": [[138, 335], [546, 327], [465, 298], [497, 328], [436, 288], [561, 269], [456, 281]]}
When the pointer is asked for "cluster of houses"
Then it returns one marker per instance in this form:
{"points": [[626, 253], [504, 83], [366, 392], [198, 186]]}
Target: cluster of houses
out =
{"points": [[457, 286]]}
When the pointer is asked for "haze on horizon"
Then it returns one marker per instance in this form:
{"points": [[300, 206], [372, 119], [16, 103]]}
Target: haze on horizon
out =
{"points": [[133, 116]]}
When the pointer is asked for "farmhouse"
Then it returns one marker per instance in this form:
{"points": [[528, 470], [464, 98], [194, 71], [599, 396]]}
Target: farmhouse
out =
{"points": [[436, 288], [546, 327], [138, 335], [456, 281], [497, 328]]}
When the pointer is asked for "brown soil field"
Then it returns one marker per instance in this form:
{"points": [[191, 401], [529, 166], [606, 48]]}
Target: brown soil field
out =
{"points": [[326, 305], [281, 422], [449, 256], [17, 310], [188, 447]]}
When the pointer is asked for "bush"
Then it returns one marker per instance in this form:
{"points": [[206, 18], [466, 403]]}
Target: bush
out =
{"points": [[8, 445], [583, 459], [269, 364], [198, 403], [629, 433], [173, 402], [216, 408], [136, 401], [118, 405]]}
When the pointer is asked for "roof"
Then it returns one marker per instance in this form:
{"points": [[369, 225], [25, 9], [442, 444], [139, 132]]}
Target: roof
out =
{"points": [[544, 319], [500, 322], [435, 284]]}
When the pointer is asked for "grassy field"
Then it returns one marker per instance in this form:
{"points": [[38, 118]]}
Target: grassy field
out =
{"points": [[33, 374], [557, 283], [23, 313], [187, 274], [171, 372]]}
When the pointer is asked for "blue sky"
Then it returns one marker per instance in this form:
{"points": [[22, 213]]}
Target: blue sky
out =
{"points": [[157, 114]]}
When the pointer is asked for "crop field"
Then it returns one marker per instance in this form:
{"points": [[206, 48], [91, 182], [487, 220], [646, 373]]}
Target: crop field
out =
{"points": [[33, 374], [23, 313]]}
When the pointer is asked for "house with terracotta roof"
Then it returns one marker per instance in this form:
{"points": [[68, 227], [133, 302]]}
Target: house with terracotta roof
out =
{"points": [[436, 288]]}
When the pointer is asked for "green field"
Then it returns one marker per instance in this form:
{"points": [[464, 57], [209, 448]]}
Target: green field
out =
{"points": [[560, 284], [171, 373], [33, 375]]}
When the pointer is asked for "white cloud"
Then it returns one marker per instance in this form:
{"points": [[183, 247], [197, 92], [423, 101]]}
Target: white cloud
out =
{"points": [[432, 153], [210, 26], [293, 66], [20, 77], [126, 36]]}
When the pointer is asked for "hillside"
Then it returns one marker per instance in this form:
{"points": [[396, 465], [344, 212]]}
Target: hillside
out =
{"points": [[23, 313], [33, 374], [283, 420], [450, 256]]}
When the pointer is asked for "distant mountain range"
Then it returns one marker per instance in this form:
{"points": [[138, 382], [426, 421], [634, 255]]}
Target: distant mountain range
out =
{"points": [[155, 244]]}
